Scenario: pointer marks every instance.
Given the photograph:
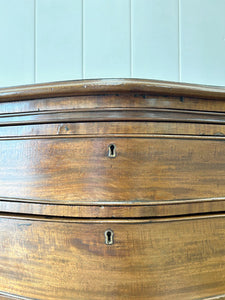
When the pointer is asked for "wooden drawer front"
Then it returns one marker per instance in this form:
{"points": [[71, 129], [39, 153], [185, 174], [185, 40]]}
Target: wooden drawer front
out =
{"points": [[177, 258], [78, 170]]}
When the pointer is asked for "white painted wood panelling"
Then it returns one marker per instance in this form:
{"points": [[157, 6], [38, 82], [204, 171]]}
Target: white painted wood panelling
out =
{"points": [[155, 52], [58, 40], [16, 42], [106, 38], [203, 41], [53, 40]]}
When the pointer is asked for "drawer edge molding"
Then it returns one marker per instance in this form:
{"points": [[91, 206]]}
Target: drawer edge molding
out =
{"points": [[119, 115], [113, 210], [217, 297], [7, 296]]}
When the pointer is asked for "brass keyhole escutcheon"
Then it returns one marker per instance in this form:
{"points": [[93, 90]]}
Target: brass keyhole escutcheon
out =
{"points": [[112, 150], [109, 237]]}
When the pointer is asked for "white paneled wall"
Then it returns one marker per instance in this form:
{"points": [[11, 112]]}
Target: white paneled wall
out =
{"points": [[155, 28], [16, 42], [58, 40], [202, 41], [52, 40], [106, 36]]}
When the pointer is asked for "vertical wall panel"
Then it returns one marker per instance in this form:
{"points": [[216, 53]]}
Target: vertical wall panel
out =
{"points": [[58, 40], [16, 42], [155, 42], [106, 38], [203, 41]]}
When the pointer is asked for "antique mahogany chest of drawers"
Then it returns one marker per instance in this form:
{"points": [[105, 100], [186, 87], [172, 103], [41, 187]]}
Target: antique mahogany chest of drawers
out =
{"points": [[112, 189]]}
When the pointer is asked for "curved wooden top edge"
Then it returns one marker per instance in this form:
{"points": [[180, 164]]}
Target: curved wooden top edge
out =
{"points": [[110, 86]]}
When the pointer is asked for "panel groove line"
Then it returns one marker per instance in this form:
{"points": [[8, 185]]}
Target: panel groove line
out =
{"points": [[155, 39], [59, 40], [178, 40], [17, 42], [106, 38], [203, 41]]}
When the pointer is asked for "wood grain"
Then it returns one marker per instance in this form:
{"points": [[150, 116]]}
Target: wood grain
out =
{"points": [[111, 129], [79, 171], [176, 258], [113, 210], [110, 86], [162, 194], [128, 114], [125, 100]]}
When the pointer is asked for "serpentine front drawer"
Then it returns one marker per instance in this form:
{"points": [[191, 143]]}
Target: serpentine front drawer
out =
{"points": [[112, 189], [56, 258]]}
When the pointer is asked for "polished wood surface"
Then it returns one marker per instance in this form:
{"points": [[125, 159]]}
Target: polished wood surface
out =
{"points": [[108, 86], [142, 158], [175, 258], [67, 171]]}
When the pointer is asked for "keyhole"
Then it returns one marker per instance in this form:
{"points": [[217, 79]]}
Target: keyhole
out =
{"points": [[112, 150], [109, 237]]}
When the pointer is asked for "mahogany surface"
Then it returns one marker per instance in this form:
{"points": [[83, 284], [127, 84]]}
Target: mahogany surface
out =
{"points": [[162, 193], [176, 258]]}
